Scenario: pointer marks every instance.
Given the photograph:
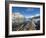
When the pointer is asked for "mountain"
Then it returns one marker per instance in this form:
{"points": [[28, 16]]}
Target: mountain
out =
{"points": [[18, 18]]}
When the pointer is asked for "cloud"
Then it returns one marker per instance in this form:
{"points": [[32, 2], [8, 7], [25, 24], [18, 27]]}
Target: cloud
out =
{"points": [[32, 16], [29, 9], [29, 16], [37, 15]]}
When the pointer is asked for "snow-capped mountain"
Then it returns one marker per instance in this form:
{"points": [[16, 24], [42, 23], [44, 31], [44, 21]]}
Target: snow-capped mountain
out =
{"points": [[17, 17]]}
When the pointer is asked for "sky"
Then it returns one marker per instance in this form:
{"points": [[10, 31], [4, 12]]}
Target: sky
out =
{"points": [[26, 11]]}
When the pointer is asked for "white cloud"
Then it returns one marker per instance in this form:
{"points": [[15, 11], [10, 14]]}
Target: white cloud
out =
{"points": [[29, 16], [32, 16], [37, 15], [29, 9]]}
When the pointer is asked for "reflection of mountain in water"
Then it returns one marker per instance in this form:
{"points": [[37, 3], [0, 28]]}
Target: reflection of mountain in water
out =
{"points": [[19, 22]]}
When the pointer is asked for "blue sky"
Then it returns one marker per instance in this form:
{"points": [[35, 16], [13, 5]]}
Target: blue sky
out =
{"points": [[26, 11]]}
